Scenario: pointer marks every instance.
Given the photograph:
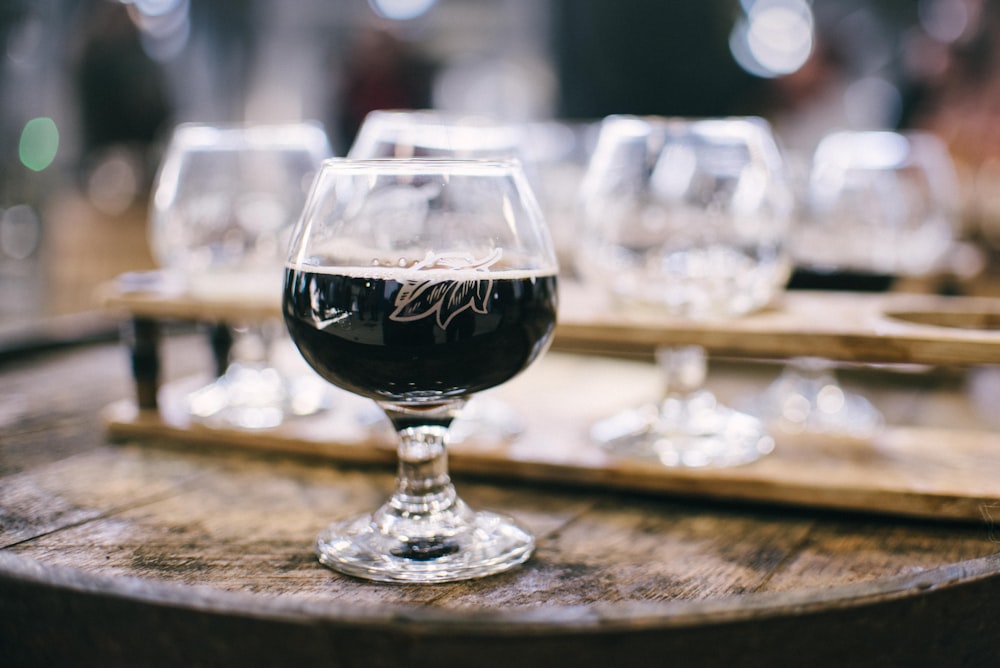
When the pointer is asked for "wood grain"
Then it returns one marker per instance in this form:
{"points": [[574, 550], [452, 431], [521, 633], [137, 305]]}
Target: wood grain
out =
{"points": [[934, 471], [145, 553], [848, 327]]}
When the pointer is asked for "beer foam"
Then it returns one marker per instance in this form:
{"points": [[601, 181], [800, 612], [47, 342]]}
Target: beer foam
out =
{"points": [[405, 274]]}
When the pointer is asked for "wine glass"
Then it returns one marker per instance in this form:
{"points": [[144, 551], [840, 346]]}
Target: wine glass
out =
{"points": [[881, 204], [878, 206], [430, 133], [224, 203], [418, 283], [686, 218]]}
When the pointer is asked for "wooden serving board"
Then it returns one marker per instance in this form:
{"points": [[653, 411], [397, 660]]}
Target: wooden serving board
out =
{"points": [[928, 471], [159, 295], [850, 327]]}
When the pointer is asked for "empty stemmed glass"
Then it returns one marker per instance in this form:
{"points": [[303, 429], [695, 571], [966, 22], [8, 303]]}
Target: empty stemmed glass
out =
{"points": [[429, 133], [878, 206], [224, 203], [881, 205], [418, 283], [685, 218]]}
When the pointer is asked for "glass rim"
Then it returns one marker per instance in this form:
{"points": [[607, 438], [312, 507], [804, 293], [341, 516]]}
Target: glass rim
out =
{"points": [[429, 116], [748, 128], [197, 136], [422, 165], [244, 125], [668, 119]]}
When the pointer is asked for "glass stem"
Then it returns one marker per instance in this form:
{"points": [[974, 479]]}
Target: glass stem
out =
{"points": [[254, 343], [683, 370], [815, 369], [423, 486]]}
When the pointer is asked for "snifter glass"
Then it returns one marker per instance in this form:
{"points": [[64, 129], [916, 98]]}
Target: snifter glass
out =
{"points": [[224, 203], [418, 283], [685, 218], [877, 206], [432, 133]]}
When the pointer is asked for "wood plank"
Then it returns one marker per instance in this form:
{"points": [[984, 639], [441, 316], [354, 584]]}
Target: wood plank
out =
{"points": [[157, 294], [849, 327], [247, 523], [931, 472]]}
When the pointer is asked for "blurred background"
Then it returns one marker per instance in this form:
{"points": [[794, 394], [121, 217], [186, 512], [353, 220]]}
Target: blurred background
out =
{"points": [[89, 90]]}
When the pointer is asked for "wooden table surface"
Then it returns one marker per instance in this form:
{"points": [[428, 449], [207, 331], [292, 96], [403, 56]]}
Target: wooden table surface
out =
{"points": [[140, 553]]}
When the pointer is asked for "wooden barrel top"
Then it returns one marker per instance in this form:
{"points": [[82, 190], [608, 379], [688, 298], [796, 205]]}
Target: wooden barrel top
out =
{"points": [[138, 553]]}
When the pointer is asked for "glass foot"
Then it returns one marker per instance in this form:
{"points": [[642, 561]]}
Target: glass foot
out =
{"points": [[814, 402], [256, 397], [458, 544], [691, 432], [797, 413]]}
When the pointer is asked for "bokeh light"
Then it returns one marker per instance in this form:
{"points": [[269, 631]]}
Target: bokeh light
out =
{"points": [[39, 143], [774, 38], [114, 182], [401, 10], [945, 20], [872, 102], [164, 26], [20, 232]]}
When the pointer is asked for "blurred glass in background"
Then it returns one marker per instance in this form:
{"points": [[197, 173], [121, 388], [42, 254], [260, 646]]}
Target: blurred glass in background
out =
{"points": [[90, 88], [224, 202]]}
